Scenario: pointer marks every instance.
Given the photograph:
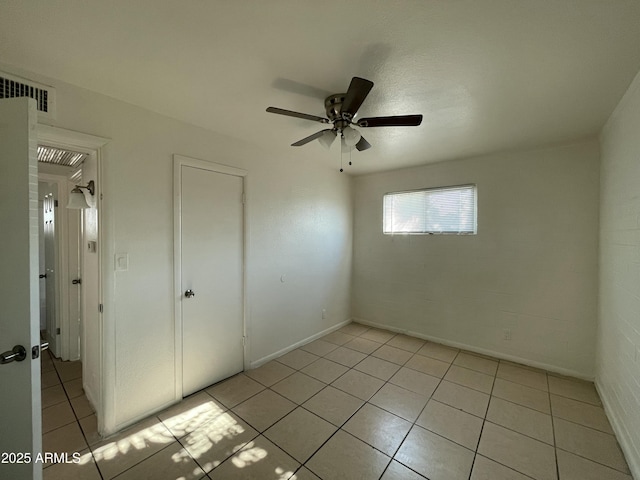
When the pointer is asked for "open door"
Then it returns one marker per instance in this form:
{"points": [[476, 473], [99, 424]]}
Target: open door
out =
{"points": [[20, 411], [49, 204]]}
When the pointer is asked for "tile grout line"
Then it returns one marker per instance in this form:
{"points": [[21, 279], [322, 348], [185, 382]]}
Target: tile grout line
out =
{"points": [[300, 405], [95, 462], [441, 379], [506, 428], [391, 458], [414, 422], [484, 420], [490, 395], [418, 416], [367, 402], [553, 429], [596, 462], [495, 377], [304, 464]]}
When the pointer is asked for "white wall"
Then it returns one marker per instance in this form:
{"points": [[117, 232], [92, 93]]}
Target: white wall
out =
{"points": [[618, 353], [299, 225], [91, 351], [532, 267]]}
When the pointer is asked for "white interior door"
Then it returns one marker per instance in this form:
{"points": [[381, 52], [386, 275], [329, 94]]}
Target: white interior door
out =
{"points": [[41, 269], [75, 289], [49, 194], [212, 269], [20, 414]]}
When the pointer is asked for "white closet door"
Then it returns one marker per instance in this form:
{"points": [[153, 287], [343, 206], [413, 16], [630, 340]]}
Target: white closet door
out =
{"points": [[212, 277]]}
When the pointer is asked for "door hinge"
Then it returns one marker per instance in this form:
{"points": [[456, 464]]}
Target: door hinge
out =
{"points": [[100, 308], [55, 203], [244, 341], [57, 331], [244, 198]]}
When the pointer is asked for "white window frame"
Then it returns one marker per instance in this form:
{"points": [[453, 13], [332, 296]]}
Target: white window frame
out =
{"points": [[474, 231]]}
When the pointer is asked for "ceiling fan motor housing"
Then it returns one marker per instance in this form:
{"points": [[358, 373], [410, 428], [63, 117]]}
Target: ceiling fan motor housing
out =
{"points": [[333, 107]]}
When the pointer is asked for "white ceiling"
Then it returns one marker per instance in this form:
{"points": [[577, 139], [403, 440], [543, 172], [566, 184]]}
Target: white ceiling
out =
{"points": [[488, 75]]}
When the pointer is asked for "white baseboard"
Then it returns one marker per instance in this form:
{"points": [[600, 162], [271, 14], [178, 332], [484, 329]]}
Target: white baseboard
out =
{"points": [[263, 360], [90, 397], [483, 351], [132, 421], [622, 434], [253, 364]]}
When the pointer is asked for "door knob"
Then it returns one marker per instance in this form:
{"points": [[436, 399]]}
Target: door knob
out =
{"points": [[18, 354], [189, 293]]}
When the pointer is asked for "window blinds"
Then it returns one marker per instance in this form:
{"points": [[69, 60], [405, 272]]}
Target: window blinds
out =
{"points": [[449, 210]]}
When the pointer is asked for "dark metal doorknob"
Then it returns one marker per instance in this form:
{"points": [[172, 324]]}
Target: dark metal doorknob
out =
{"points": [[189, 293], [19, 353]]}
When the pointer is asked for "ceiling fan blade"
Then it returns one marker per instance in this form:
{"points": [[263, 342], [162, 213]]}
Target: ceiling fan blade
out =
{"points": [[363, 145], [310, 138], [359, 88], [395, 121], [290, 113]]}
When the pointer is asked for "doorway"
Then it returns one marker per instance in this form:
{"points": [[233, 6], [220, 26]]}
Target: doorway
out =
{"points": [[209, 257], [60, 231], [74, 159]]}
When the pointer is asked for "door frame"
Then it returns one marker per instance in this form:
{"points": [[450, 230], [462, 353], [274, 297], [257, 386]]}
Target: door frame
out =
{"points": [[178, 162], [91, 145]]}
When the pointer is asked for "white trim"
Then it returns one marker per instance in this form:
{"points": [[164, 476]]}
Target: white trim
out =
{"points": [[265, 359], [69, 139], [178, 162], [483, 351], [620, 429]]}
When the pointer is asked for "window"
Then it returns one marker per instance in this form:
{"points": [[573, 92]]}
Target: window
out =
{"points": [[446, 210]]}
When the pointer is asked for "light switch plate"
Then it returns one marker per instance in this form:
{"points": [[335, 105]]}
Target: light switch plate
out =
{"points": [[122, 262]]}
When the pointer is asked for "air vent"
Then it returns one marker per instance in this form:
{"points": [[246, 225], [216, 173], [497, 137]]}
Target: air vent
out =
{"points": [[57, 156], [45, 96]]}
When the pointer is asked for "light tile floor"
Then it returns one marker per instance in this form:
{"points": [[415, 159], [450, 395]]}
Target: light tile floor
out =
{"points": [[360, 403]]}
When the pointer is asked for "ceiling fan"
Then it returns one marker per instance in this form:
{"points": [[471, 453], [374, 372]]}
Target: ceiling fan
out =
{"points": [[341, 109]]}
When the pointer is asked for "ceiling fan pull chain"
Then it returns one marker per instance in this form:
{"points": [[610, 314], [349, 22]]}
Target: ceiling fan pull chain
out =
{"points": [[341, 140]]}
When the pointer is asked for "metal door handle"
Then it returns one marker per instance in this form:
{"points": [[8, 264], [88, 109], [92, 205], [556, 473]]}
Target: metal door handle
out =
{"points": [[18, 354], [189, 293], [76, 281], [44, 346], [42, 275]]}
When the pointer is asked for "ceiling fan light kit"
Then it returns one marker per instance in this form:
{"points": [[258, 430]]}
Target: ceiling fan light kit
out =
{"points": [[341, 109], [351, 136]]}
